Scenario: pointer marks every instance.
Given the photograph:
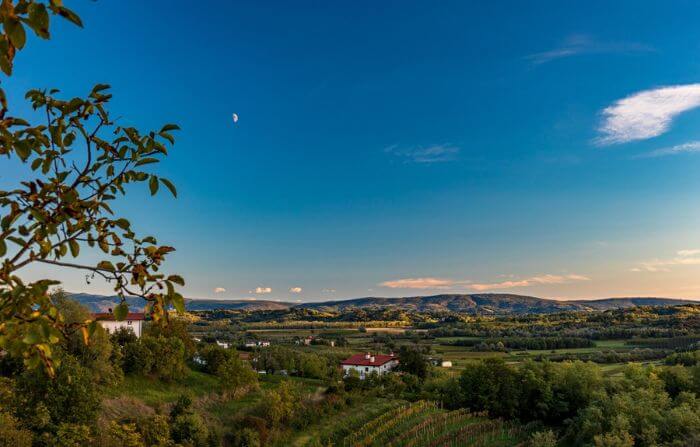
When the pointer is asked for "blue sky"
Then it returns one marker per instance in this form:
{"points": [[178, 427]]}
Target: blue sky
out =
{"points": [[405, 148]]}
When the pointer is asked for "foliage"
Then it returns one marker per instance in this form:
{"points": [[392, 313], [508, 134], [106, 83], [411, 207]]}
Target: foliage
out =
{"points": [[413, 361], [11, 434], [124, 435], [71, 435], [278, 405], [82, 161], [186, 426], [71, 397], [236, 374], [168, 357], [155, 430]]}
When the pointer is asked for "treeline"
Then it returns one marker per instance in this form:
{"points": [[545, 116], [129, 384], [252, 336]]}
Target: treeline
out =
{"points": [[668, 343], [638, 322], [589, 332], [610, 356], [645, 407], [521, 343]]}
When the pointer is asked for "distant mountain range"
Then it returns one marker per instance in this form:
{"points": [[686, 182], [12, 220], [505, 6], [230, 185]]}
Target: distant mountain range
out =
{"points": [[486, 303]]}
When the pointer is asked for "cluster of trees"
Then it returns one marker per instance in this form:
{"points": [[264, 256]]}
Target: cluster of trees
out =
{"points": [[275, 359], [37, 409], [688, 358], [521, 343], [647, 406], [611, 356], [639, 322]]}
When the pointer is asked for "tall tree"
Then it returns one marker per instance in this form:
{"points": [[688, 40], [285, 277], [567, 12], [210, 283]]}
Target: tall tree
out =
{"points": [[80, 161]]}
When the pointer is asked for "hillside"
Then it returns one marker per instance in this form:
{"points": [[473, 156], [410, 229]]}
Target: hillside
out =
{"points": [[486, 303], [494, 303], [102, 303]]}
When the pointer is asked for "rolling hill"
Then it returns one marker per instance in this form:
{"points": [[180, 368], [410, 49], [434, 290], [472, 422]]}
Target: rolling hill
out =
{"points": [[486, 303], [102, 303]]}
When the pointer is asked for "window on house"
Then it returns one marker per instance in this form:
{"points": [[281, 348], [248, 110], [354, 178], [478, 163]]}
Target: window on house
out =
{"points": [[129, 322]]}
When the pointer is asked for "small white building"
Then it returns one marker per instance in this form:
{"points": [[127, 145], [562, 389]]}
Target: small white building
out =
{"points": [[133, 321], [446, 364], [223, 344], [366, 364]]}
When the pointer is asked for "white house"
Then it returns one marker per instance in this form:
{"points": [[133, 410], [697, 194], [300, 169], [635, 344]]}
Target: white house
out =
{"points": [[133, 321], [366, 364]]}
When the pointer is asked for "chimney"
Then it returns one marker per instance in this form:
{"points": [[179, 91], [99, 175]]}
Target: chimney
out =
{"points": [[371, 359], [367, 356]]}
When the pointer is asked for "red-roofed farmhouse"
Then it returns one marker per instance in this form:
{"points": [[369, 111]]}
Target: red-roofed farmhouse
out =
{"points": [[366, 364]]}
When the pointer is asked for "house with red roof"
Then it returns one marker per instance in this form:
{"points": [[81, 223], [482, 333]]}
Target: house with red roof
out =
{"points": [[365, 364], [133, 321]]}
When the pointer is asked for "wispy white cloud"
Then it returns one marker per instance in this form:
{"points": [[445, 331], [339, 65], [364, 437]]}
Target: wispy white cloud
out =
{"points": [[436, 153], [578, 44], [422, 283], [327, 290], [262, 290], [533, 281], [295, 289], [692, 146], [219, 290], [646, 114], [684, 257], [688, 252], [444, 284]]}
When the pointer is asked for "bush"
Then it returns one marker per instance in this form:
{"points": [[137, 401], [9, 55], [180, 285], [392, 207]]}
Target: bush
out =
{"points": [[72, 435], [11, 435], [189, 429], [236, 374], [138, 359], [124, 435], [70, 398], [155, 430]]}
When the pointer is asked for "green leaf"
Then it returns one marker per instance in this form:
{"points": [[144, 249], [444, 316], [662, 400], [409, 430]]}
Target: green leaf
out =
{"points": [[39, 19], [146, 161], [169, 127], [70, 15], [99, 87], [121, 311], [74, 248], [168, 184], [15, 30], [33, 336], [105, 265], [122, 223], [177, 279], [153, 185], [179, 302]]}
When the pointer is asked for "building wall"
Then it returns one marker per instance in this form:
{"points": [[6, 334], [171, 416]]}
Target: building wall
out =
{"points": [[112, 326], [366, 370]]}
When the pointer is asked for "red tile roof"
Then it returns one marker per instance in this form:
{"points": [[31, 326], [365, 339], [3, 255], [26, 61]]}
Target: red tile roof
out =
{"points": [[362, 360], [108, 316]]}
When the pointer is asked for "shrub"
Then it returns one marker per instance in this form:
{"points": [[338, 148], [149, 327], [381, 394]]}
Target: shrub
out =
{"points": [[11, 435], [155, 430], [72, 435]]}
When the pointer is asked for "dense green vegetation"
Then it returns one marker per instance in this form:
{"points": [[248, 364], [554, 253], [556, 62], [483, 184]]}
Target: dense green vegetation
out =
{"points": [[513, 380]]}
